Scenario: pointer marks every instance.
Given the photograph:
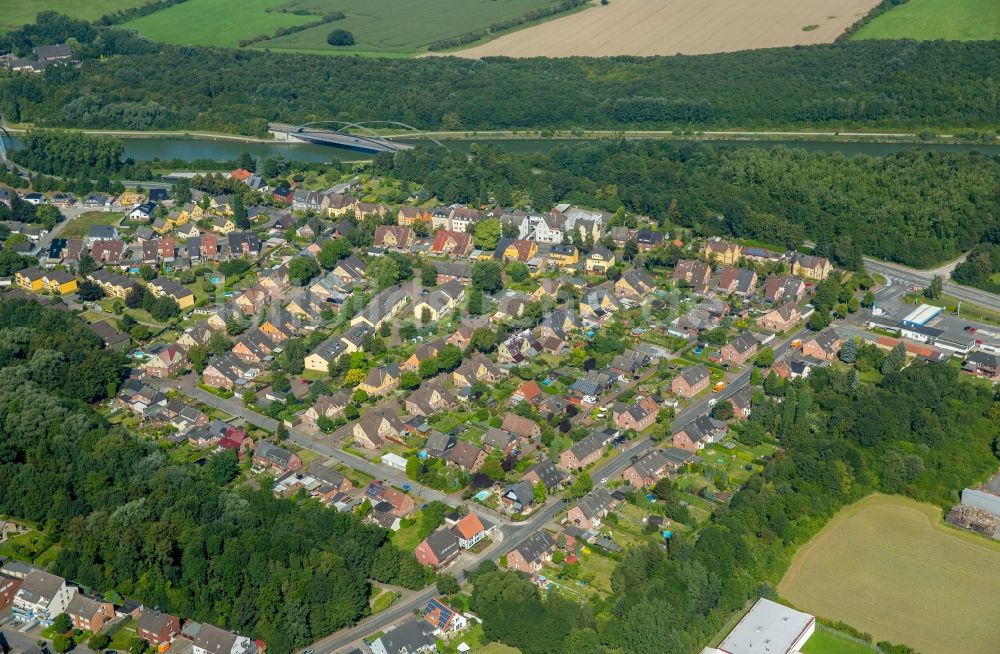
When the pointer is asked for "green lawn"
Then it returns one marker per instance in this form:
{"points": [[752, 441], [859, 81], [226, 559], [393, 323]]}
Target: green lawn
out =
{"points": [[79, 226], [926, 20], [825, 641], [215, 22], [386, 26], [407, 538], [23, 546], [382, 601], [19, 12]]}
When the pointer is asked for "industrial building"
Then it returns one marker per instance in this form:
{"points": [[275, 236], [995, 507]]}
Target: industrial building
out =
{"points": [[769, 628], [921, 315]]}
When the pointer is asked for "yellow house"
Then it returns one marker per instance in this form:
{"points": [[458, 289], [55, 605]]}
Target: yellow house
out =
{"points": [[60, 281], [30, 279], [564, 256], [722, 252], [600, 260], [520, 250], [128, 198], [223, 225], [811, 267], [224, 207], [175, 290]]}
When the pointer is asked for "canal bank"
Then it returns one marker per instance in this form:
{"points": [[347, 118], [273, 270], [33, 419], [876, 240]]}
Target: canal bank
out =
{"points": [[162, 146]]}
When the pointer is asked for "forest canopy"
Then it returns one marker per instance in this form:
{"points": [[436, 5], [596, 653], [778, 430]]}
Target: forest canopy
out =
{"points": [[916, 207], [922, 432], [130, 519], [127, 82]]}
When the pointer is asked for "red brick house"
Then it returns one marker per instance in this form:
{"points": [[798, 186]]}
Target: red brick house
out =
{"points": [[156, 628], [781, 318], [737, 351], [638, 416], [457, 244], [88, 613], [823, 346], [532, 554], [8, 588], [520, 426], [584, 453], [691, 381], [439, 549], [647, 470]]}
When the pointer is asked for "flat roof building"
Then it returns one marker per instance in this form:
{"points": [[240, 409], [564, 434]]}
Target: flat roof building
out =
{"points": [[921, 315], [768, 628]]}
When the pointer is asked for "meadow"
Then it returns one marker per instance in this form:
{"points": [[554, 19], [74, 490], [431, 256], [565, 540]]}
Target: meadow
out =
{"points": [[889, 567], [926, 20], [14, 13], [214, 22], [387, 26], [380, 27]]}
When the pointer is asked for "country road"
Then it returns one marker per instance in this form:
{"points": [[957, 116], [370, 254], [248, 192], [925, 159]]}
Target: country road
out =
{"points": [[923, 278]]}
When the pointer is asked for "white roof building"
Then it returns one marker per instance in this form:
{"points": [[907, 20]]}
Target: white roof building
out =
{"points": [[769, 628]]}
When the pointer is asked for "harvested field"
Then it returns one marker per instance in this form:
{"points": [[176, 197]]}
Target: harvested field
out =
{"points": [[888, 566], [668, 27]]}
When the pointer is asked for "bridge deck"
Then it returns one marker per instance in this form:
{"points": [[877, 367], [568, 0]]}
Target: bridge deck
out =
{"points": [[339, 139]]}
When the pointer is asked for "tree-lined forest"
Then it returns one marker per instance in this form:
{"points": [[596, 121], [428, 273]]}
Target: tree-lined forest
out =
{"points": [[915, 207], [921, 432], [127, 82], [130, 519]]}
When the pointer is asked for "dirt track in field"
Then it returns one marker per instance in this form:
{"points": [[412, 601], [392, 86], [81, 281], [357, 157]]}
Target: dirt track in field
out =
{"points": [[669, 27]]}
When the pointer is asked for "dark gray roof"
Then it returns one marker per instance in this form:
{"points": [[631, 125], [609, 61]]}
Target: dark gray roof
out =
{"points": [[536, 546], [407, 638], [650, 464], [595, 502], [548, 473], [694, 374]]}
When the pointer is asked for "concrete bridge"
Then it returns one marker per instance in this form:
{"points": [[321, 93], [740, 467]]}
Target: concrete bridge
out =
{"points": [[362, 143]]}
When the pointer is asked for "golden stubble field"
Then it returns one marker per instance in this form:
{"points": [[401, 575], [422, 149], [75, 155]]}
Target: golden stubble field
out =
{"points": [[669, 27], [888, 566]]}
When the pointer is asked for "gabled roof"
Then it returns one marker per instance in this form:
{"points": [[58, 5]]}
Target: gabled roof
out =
{"points": [[595, 502], [536, 546], [547, 473], [694, 375], [469, 526]]}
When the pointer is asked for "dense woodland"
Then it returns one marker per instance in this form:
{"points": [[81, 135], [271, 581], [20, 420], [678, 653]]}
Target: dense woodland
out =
{"points": [[126, 82], [131, 520], [921, 432], [982, 267], [914, 207]]}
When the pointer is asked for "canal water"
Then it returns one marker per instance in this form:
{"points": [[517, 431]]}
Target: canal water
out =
{"points": [[190, 149]]}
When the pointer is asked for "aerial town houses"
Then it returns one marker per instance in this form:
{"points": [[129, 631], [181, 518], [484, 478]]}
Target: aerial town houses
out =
{"points": [[585, 357]]}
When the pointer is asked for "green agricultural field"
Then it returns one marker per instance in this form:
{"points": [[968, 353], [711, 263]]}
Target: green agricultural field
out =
{"points": [[390, 27], [826, 641], [215, 22], [926, 20], [889, 567], [20, 12]]}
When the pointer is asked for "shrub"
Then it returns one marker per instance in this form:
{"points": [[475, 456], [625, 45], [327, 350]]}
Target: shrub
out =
{"points": [[340, 37]]}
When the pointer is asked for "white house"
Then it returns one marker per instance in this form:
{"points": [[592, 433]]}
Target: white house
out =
{"points": [[42, 597]]}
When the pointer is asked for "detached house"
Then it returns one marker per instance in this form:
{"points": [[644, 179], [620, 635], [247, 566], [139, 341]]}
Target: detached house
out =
{"points": [[738, 281], [591, 509], [381, 381], [635, 284], [170, 361], [209, 639], [811, 267], [439, 549], [326, 406], [781, 318], [478, 368], [471, 529], [637, 416], [699, 432], [156, 628], [647, 470], [444, 619], [375, 427], [599, 261], [530, 556], [520, 426], [457, 244], [583, 453], [430, 398], [88, 613], [823, 346], [722, 252], [42, 597], [394, 237], [784, 287], [517, 250], [271, 456], [545, 472], [695, 274], [690, 381], [466, 456], [741, 348]]}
